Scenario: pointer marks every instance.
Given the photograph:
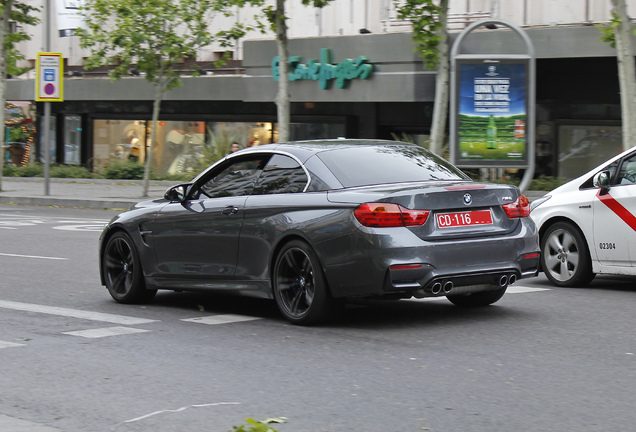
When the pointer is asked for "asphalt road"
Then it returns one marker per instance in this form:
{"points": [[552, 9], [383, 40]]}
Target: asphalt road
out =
{"points": [[73, 360]]}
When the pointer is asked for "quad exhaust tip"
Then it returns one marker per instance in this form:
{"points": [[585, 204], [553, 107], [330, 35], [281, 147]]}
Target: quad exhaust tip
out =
{"points": [[448, 286], [436, 288], [506, 280]]}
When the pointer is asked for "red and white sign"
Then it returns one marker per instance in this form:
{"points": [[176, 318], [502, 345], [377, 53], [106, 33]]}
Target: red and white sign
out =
{"points": [[49, 79]]}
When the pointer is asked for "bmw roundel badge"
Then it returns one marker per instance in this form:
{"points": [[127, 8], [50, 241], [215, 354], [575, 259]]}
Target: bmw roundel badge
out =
{"points": [[468, 199]]}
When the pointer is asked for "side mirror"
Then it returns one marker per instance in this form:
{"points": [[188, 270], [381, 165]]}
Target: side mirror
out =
{"points": [[602, 180], [177, 193]]}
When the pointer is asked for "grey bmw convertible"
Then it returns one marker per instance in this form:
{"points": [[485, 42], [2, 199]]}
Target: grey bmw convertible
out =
{"points": [[311, 224]]}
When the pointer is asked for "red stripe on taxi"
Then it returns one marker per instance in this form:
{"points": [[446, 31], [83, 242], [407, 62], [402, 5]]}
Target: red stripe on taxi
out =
{"points": [[618, 208]]}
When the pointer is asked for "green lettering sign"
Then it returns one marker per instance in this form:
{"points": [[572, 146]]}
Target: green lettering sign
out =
{"points": [[324, 71]]}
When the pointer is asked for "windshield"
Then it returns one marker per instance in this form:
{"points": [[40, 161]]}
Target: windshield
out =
{"points": [[369, 165]]}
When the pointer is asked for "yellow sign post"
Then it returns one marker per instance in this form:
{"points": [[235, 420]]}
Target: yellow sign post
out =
{"points": [[49, 73]]}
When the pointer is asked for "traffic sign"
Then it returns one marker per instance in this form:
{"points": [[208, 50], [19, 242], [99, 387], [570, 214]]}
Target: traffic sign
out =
{"points": [[49, 83]]}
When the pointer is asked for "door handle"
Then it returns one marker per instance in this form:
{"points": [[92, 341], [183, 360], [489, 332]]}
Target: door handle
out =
{"points": [[230, 210]]}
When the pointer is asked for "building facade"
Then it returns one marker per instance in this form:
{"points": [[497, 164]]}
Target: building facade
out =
{"points": [[390, 95]]}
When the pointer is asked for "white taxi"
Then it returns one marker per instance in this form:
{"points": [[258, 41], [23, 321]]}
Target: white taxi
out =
{"points": [[588, 225]]}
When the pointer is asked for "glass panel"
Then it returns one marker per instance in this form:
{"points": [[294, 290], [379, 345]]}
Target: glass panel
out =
{"points": [[281, 175], [309, 131], [118, 140], [583, 147], [360, 166], [235, 179], [72, 139], [627, 174]]}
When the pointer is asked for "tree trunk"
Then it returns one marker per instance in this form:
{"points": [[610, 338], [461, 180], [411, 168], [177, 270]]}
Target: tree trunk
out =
{"points": [[4, 30], [440, 108], [626, 73], [153, 133], [282, 96]]}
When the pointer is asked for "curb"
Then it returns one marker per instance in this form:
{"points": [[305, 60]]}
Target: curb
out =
{"points": [[70, 202]]}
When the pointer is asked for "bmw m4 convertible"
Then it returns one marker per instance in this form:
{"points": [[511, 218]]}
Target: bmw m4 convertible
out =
{"points": [[313, 223]]}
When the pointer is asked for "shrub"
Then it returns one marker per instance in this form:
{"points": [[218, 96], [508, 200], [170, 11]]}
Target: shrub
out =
{"points": [[124, 170], [546, 183], [33, 170], [70, 171]]}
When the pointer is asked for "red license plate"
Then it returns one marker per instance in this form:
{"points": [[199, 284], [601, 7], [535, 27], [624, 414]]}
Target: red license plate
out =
{"points": [[475, 217]]}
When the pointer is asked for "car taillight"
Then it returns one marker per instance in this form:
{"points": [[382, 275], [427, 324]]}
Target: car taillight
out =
{"points": [[519, 208], [389, 215]]}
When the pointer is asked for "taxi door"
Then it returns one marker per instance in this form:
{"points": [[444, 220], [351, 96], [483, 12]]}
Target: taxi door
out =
{"points": [[615, 219]]}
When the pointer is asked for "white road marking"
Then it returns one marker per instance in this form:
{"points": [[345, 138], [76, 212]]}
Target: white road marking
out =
{"points": [[95, 228], [518, 289], [221, 319], [32, 256], [4, 344], [74, 313], [176, 411], [76, 224], [105, 332], [515, 289]]}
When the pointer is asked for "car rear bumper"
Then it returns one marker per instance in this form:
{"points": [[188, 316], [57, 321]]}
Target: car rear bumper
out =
{"points": [[383, 261]]}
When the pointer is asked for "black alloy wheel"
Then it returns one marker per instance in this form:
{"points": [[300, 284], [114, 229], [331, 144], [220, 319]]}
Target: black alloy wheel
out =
{"points": [[299, 285], [123, 274], [478, 299]]}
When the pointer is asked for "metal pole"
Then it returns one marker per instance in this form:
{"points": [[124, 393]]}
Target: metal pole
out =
{"points": [[47, 105]]}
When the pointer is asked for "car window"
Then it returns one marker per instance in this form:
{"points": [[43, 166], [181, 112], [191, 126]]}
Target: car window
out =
{"points": [[282, 174], [235, 178], [361, 166], [627, 173]]}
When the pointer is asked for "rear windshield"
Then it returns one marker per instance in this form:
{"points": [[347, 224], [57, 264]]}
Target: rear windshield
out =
{"points": [[362, 166]]}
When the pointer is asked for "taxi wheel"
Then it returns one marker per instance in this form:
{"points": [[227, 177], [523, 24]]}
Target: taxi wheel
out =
{"points": [[478, 299], [123, 275], [565, 257]]}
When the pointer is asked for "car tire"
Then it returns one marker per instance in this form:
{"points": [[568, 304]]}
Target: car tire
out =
{"points": [[565, 257], [478, 299], [123, 275], [299, 285]]}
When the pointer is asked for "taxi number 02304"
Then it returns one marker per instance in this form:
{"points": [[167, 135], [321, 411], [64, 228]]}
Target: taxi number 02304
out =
{"points": [[477, 217], [607, 245]]}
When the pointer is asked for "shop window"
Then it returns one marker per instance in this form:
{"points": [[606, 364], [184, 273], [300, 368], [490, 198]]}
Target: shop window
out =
{"points": [[583, 147], [118, 140], [72, 139]]}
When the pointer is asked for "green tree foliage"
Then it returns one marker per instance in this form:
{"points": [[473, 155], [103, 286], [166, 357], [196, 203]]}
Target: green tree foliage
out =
{"points": [[23, 14], [272, 18], [20, 13], [153, 37], [431, 43], [427, 27]]}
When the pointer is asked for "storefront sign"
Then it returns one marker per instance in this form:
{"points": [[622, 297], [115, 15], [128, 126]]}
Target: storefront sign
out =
{"points": [[324, 71], [492, 111]]}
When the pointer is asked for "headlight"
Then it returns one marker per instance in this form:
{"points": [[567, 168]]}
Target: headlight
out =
{"points": [[536, 203]]}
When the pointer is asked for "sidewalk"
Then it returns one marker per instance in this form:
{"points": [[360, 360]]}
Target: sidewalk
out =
{"points": [[94, 193], [85, 193]]}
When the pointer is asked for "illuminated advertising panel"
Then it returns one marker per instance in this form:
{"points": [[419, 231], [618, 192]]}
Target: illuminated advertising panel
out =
{"points": [[492, 113]]}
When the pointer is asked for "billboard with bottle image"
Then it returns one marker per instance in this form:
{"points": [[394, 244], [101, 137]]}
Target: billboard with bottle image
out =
{"points": [[492, 113]]}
